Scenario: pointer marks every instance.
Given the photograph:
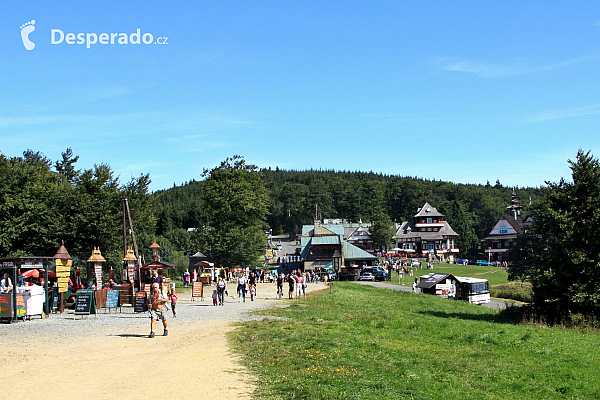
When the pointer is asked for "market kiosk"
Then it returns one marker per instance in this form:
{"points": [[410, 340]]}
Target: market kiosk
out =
{"points": [[20, 301]]}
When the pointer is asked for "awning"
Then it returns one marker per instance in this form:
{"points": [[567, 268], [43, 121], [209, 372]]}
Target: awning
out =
{"points": [[432, 280]]}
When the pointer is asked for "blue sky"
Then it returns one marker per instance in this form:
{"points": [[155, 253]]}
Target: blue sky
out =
{"points": [[465, 92]]}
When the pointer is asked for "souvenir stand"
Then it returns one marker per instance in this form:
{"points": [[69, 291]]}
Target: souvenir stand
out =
{"points": [[14, 304], [144, 275]]}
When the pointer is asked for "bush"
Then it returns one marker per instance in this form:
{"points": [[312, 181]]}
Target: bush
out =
{"points": [[520, 291]]}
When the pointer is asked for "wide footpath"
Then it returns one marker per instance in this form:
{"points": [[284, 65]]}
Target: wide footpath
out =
{"points": [[110, 355]]}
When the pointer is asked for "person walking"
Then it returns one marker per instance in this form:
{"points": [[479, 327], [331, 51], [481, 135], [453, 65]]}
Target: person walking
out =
{"points": [[241, 288], [298, 285], [291, 282], [221, 287], [158, 309], [280, 285], [173, 297], [186, 277]]}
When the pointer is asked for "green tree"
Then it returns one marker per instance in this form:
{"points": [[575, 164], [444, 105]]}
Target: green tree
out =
{"points": [[235, 203], [382, 231], [560, 256]]}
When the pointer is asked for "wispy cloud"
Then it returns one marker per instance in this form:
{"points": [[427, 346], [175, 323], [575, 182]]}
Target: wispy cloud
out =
{"points": [[552, 115], [397, 118], [518, 67]]}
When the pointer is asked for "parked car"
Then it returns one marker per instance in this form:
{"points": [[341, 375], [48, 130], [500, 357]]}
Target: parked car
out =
{"points": [[380, 274], [463, 261], [368, 274], [485, 263], [415, 263]]}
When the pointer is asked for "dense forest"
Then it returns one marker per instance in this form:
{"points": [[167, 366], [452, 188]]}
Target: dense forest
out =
{"points": [[296, 197]]}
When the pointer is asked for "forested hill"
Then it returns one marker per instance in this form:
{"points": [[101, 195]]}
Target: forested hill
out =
{"points": [[297, 195]]}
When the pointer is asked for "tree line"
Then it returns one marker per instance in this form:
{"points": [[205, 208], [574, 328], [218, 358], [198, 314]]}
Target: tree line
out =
{"points": [[296, 198], [226, 213]]}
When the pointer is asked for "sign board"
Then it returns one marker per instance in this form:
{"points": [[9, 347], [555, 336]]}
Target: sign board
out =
{"points": [[98, 274], [140, 304], [85, 303], [112, 298], [6, 305], [63, 285], [197, 289], [54, 300], [21, 308]]}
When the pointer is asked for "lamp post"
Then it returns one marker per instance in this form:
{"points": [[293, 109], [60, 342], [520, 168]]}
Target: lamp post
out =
{"points": [[154, 247]]}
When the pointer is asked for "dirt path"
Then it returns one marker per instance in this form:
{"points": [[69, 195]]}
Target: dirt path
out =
{"points": [[193, 362]]}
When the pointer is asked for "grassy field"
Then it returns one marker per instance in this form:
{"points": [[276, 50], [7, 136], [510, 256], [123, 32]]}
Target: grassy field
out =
{"points": [[494, 275], [360, 342]]}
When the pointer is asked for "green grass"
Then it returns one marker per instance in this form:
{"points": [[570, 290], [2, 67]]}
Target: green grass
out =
{"points": [[360, 342]]}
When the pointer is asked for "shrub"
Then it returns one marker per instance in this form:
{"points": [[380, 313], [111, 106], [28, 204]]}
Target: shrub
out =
{"points": [[520, 291]]}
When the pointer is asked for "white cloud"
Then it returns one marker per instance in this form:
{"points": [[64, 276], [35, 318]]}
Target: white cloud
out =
{"points": [[519, 67], [552, 115]]}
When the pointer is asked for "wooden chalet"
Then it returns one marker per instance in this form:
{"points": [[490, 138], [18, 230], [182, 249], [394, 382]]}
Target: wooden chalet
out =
{"points": [[428, 235]]}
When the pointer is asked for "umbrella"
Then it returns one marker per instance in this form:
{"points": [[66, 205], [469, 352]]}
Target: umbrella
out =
{"points": [[50, 274], [32, 273]]}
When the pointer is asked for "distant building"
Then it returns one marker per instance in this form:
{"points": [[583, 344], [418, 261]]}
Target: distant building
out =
{"points": [[322, 243], [428, 235], [504, 234], [360, 237]]}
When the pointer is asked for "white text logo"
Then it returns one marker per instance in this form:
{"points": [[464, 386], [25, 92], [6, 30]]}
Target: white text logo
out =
{"points": [[57, 36]]}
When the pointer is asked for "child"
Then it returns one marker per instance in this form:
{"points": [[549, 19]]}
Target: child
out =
{"points": [[214, 297], [252, 292], [173, 297]]}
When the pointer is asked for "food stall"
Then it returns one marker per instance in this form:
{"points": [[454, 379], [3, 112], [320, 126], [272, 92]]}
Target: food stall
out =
{"points": [[14, 302]]}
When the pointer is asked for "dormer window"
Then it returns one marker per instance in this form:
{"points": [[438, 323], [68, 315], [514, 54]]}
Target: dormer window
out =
{"points": [[503, 231]]}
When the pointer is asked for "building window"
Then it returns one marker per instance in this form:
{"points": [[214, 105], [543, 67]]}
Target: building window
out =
{"points": [[435, 229], [428, 229], [428, 220], [503, 231]]}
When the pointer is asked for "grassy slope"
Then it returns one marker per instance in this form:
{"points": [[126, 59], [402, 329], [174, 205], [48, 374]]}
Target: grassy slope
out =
{"points": [[364, 343]]}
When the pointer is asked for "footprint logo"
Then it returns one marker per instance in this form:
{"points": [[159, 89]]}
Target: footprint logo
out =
{"points": [[26, 29]]}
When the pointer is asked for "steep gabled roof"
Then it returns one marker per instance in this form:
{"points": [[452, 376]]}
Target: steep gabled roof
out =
{"points": [[408, 230], [428, 211]]}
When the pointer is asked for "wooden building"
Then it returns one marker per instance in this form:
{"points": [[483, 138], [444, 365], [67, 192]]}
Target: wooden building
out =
{"points": [[427, 235], [504, 234]]}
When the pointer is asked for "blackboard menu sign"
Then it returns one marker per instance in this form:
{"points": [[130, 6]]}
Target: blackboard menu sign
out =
{"points": [[84, 303], [140, 304], [112, 298], [54, 301], [6, 309]]}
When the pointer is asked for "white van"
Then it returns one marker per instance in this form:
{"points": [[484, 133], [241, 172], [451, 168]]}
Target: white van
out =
{"points": [[414, 263]]}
